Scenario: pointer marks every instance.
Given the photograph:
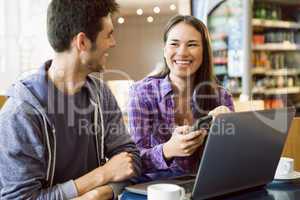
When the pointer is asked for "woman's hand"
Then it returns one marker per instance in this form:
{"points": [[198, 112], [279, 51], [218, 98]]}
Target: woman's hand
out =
{"points": [[219, 110], [183, 143]]}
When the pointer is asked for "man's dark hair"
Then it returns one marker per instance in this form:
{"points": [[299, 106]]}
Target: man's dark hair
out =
{"points": [[66, 18]]}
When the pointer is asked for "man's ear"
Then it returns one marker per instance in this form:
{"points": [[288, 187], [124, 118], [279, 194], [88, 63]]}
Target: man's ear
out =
{"points": [[81, 42]]}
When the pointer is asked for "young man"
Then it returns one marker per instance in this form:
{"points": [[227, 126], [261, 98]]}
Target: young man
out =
{"points": [[61, 132]]}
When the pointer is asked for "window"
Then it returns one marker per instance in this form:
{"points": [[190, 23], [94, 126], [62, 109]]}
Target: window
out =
{"points": [[23, 38]]}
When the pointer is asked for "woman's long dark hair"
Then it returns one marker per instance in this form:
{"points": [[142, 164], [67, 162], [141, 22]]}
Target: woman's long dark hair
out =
{"points": [[205, 85]]}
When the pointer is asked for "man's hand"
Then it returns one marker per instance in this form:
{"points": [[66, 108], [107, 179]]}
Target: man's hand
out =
{"points": [[100, 193], [120, 167]]}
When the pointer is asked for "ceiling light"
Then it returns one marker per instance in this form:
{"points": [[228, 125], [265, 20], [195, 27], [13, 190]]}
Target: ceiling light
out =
{"points": [[139, 11], [156, 9], [121, 20], [172, 7], [150, 19]]}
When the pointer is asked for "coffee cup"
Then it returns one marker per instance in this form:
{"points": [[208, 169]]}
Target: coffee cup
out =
{"points": [[165, 192]]}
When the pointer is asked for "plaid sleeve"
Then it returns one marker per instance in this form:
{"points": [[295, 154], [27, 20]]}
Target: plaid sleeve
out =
{"points": [[140, 117], [226, 99]]}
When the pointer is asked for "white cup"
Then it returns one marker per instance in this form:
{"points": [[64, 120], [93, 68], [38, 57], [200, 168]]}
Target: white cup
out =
{"points": [[165, 192], [285, 166]]}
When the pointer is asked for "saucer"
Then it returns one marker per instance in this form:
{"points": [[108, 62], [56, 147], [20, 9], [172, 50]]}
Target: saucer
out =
{"points": [[288, 177]]}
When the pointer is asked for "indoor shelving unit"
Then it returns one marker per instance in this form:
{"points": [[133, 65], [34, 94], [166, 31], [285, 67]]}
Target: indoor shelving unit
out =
{"points": [[275, 68]]}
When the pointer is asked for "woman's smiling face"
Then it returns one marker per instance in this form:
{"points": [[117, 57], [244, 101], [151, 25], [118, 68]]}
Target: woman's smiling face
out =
{"points": [[183, 50]]}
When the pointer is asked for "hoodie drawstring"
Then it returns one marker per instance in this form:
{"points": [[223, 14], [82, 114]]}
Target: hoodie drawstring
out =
{"points": [[48, 148], [97, 107], [54, 155], [51, 160], [102, 158], [96, 129]]}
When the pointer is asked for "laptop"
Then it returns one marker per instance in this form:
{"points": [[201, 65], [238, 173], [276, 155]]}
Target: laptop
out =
{"points": [[241, 152]]}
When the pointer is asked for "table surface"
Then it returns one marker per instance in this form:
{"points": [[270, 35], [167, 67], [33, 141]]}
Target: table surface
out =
{"points": [[273, 191]]}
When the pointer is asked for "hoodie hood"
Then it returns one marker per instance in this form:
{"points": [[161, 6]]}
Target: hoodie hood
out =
{"points": [[33, 90]]}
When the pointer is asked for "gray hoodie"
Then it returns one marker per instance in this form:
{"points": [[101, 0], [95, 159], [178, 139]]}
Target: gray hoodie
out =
{"points": [[28, 142]]}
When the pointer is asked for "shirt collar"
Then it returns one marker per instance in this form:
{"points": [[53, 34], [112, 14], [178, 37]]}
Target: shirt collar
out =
{"points": [[165, 86]]}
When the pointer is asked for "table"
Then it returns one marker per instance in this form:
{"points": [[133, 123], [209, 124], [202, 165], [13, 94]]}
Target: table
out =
{"points": [[273, 191], [292, 144]]}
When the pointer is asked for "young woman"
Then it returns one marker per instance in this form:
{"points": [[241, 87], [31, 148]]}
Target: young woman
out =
{"points": [[164, 106]]}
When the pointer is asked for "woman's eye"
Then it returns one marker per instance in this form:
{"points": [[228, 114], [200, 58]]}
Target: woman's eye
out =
{"points": [[173, 44], [192, 45]]}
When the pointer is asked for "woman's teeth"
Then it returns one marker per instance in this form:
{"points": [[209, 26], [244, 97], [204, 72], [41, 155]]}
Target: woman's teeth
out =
{"points": [[182, 62]]}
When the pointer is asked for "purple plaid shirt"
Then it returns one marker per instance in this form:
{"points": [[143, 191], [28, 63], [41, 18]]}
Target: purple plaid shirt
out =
{"points": [[152, 121]]}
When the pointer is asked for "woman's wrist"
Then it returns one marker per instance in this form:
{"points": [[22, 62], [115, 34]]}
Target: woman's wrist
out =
{"points": [[166, 151]]}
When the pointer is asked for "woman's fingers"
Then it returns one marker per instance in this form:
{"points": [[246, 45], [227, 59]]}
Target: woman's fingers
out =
{"points": [[189, 150], [195, 134], [182, 130], [195, 142], [219, 110]]}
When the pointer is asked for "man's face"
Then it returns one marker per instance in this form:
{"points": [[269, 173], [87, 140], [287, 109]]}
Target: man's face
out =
{"points": [[104, 41]]}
